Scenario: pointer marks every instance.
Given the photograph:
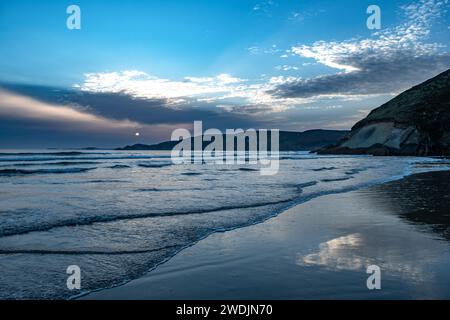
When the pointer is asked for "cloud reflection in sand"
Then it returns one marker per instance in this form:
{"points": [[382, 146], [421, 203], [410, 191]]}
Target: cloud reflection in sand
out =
{"points": [[355, 252], [337, 253]]}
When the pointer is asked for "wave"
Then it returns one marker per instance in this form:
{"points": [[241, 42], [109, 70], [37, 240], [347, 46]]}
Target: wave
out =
{"points": [[191, 174], [298, 158], [15, 172], [154, 165], [168, 190], [69, 163], [70, 153], [112, 218], [336, 179], [79, 252], [35, 159], [63, 163], [354, 171], [90, 181], [301, 186], [150, 190], [324, 169], [306, 184], [119, 166], [105, 181], [248, 169]]}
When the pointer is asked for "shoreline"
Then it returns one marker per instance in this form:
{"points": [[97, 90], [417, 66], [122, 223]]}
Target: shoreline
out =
{"points": [[275, 214], [204, 251]]}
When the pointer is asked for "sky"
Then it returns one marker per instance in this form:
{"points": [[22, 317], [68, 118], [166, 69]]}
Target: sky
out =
{"points": [[150, 67]]}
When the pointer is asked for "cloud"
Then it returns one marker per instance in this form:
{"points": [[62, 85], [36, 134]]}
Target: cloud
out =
{"points": [[29, 122], [37, 113], [286, 68], [250, 110], [15, 106], [35, 116], [265, 7], [388, 62], [255, 50], [140, 84], [151, 117], [223, 89], [108, 108]]}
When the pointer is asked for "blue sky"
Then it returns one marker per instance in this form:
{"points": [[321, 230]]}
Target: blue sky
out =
{"points": [[168, 38], [294, 65]]}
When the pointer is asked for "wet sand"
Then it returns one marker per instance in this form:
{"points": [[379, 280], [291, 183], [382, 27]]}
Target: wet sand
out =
{"points": [[320, 250]]}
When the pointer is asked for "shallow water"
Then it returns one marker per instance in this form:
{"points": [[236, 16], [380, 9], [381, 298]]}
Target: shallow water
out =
{"points": [[119, 214], [320, 250]]}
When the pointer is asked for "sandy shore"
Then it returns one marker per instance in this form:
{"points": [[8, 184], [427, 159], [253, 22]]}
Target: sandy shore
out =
{"points": [[320, 250]]}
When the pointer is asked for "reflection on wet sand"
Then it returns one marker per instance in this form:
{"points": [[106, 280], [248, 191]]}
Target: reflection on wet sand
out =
{"points": [[337, 253], [321, 250], [355, 252], [422, 200]]}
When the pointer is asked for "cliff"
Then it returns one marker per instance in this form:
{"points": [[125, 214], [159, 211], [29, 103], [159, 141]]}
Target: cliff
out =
{"points": [[415, 123]]}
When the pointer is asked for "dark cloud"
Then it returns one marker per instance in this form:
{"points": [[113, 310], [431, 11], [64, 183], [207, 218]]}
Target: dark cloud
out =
{"points": [[120, 106], [376, 75], [101, 119]]}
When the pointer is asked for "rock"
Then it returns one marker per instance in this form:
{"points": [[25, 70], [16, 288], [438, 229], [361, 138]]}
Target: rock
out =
{"points": [[415, 123]]}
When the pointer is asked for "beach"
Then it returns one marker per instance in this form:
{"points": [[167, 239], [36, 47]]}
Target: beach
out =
{"points": [[319, 249]]}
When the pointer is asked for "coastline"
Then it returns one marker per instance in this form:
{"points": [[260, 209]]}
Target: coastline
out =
{"points": [[302, 254]]}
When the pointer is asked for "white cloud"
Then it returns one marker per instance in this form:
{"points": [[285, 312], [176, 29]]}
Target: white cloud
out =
{"points": [[388, 62], [273, 49], [227, 79], [222, 89], [349, 55], [380, 64], [286, 68], [142, 85], [265, 7]]}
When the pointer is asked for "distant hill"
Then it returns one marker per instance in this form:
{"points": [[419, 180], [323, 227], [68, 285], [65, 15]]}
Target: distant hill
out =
{"points": [[289, 141], [416, 123]]}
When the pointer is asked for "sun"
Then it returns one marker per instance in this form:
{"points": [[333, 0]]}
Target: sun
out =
{"points": [[137, 134]]}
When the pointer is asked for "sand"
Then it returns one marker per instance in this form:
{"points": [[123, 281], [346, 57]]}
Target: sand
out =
{"points": [[320, 250]]}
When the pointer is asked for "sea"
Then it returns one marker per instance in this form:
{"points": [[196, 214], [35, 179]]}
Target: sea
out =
{"points": [[119, 214]]}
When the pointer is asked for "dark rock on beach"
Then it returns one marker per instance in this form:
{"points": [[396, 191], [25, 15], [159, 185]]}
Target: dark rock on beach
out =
{"points": [[415, 123]]}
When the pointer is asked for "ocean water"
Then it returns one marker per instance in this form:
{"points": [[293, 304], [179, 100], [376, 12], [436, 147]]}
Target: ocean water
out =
{"points": [[119, 214]]}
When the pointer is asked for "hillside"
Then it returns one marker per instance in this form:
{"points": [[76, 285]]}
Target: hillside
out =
{"points": [[289, 141], [416, 122]]}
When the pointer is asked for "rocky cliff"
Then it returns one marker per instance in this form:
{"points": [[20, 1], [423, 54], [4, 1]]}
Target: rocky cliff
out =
{"points": [[417, 122]]}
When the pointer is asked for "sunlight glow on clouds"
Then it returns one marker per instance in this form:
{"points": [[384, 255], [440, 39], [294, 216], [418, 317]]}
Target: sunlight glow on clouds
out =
{"points": [[17, 106], [17, 110], [140, 84], [222, 89]]}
